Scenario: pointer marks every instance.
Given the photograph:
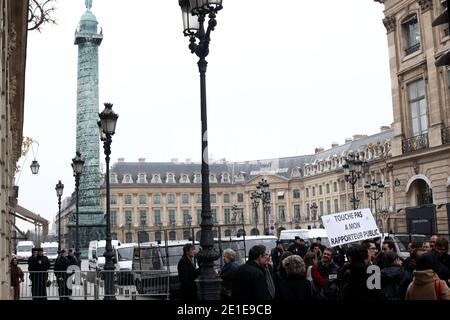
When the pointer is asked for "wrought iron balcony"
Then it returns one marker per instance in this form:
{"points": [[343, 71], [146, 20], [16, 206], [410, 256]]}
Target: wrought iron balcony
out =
{"points": [[415, 144], [445, 135], [412, 49]]}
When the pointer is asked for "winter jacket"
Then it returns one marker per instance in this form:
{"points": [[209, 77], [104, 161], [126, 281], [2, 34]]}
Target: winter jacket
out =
{"points": [[295, 287], [298, 249], [330, 273], [227, 274], [250, 283], [391, 277], [16, 275], [353, 284], [187, 273], [423, 286]]}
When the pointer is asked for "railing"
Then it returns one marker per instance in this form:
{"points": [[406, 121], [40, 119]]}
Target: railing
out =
{"points": [[445, 132], [414, 144], [412, 49], [89, 285]]}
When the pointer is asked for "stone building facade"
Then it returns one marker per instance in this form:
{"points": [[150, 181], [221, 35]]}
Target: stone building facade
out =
{"points": [[13, 41], [148, 197], [420, 159]]}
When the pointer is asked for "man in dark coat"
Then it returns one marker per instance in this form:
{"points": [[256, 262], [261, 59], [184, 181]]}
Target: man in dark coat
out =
{"points": [[250, 280], [276, 254], [329, 271], [298, 247], [61, 265], [440, 250], [187, 273], [38, 266]]}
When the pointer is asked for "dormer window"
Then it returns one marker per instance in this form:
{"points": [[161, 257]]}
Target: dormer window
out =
{"points": [[156, 178], [127, 178], [197, 178], [184, 178], [142, 178], [212, 178], [113, 178], [240, 177], [170, 178], [225, 178], [411, 31]]}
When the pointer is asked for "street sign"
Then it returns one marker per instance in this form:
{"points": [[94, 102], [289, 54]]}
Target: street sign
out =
{"points": [[350, 226]]}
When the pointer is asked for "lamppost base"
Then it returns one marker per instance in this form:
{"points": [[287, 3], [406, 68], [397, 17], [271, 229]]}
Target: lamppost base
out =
{"points": [[209, 288]]}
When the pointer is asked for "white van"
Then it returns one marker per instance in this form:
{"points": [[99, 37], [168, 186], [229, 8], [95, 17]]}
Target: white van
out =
{"points": [[50, 251], [23, 250], [95, 254], [124, 262], [309, 235]]}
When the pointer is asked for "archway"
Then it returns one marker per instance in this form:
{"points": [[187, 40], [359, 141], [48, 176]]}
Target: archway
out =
{"points": [[254, 232], [419, 192], [240, 233]]}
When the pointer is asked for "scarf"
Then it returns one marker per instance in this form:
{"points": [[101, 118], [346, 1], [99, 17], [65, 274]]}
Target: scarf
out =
{"points": [[269, 281]]}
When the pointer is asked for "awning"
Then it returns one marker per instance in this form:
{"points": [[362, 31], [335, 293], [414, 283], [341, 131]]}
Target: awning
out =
{"points": [[29, 216]]}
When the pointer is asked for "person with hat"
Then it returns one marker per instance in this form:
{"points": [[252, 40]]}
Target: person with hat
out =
{"points": [[298, 247], [17, 277], [61, 265], [276, 254], [37, 266]]}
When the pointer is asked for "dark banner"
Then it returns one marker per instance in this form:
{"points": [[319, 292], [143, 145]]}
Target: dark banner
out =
{"points": [[421, 220], [448, 216]]}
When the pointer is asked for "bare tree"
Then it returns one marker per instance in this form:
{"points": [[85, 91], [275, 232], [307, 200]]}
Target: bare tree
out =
{"points": [[39, 13]]}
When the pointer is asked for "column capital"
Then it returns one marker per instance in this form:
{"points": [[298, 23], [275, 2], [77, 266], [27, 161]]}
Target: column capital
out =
{"points": [[389, 22], [425, 5]]}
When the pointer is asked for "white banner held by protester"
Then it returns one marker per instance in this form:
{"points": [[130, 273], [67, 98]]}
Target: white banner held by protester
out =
{"points": [[350, 226]]}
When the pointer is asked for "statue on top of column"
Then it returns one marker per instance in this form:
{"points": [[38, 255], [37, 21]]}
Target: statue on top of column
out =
{"points": [[88, 4]]}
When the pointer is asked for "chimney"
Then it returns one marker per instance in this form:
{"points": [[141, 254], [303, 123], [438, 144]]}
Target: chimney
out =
{"points": [[359, 136], [121, 160], [348, 140], [188, 161], [334, 145], [384, 128], [141, 159], [174, 160], [317, 150]]}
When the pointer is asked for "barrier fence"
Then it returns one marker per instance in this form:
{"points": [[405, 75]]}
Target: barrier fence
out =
{"points": [[90, 285]]}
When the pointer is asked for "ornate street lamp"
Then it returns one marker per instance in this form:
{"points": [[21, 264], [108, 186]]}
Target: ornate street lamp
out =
{"points": [[108, 120], [35, 167], [313, 207], [262, 192], [194, 13], [255, 203], [374, 192], [353, 167], [77, 167], [59, 192]]}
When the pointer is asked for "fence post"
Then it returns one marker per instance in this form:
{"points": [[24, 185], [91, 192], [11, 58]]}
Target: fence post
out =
{"points": [[96, 284], [85, 288]]}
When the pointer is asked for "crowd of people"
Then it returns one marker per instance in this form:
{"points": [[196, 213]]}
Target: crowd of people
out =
{"points": [[369, 270], [38, 266]]}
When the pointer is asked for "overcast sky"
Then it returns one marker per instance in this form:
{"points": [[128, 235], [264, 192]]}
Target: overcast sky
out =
{"points": [[281, 81]]}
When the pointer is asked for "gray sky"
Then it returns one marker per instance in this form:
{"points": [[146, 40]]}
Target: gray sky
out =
{"points": [[280, 82]]}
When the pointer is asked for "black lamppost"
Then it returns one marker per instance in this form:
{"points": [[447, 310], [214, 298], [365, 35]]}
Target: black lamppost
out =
{"points": [[59, 192], [262, 192], [77, 167], [353, 167], [313, 208], [107, 123], [255, 203], [374, 192], [194, 13]]}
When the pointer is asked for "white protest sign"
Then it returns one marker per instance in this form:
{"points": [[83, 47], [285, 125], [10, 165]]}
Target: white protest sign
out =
{"points": [[350, 226]]}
